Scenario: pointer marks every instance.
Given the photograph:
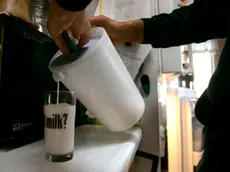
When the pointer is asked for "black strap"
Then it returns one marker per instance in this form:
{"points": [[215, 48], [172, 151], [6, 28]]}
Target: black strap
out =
{"points": [[73, 5]]}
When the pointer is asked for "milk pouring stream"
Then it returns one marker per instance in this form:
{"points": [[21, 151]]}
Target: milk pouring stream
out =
{"points": [[58, 87]]}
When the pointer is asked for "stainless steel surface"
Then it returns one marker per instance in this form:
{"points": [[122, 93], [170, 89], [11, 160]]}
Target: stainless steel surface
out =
{"points": [[38, 10]]}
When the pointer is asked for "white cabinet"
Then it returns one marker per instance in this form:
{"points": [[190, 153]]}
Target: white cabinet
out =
{"points": [[171, 58]]}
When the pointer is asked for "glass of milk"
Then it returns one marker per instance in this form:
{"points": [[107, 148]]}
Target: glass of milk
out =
{"points": [[59, 111]]}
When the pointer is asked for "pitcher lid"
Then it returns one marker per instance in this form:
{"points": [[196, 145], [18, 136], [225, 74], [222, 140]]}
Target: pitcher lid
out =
{"points": [[59, 60]]}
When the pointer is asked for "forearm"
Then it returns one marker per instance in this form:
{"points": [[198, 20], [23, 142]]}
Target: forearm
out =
{"points": [[133, 31], [73, 5], [166, 30]]}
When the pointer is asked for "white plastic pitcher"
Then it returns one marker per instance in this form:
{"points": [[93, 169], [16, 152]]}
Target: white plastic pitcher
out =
{"points": [[101, 82]]}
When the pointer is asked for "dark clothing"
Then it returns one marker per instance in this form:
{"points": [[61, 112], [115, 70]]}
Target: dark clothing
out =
{"points": [[73, 5], [201, 21]]}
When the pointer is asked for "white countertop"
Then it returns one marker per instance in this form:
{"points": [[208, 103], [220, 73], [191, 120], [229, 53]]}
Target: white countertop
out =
{"points": [[96, 150]]}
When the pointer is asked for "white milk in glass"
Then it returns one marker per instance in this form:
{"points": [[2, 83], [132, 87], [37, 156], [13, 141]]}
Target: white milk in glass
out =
{"points": [[59, 128]]}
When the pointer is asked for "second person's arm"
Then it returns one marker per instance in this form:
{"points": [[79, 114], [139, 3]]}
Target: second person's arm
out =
{"points": [[201, 21]]}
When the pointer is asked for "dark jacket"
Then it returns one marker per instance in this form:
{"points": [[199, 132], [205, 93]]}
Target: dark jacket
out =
{"points": [[73, 5], [199, 22]]}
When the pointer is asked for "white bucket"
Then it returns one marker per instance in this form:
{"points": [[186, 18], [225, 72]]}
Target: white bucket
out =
{"points": [[101, 82]]}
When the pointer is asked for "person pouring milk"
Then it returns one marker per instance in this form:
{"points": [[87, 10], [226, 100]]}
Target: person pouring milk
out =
{"points": [[198, 22]]}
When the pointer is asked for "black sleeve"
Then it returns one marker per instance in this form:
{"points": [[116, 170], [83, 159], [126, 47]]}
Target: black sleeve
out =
{"points": [[199, 22], [73, 5]]}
